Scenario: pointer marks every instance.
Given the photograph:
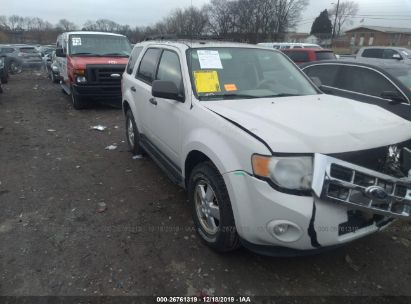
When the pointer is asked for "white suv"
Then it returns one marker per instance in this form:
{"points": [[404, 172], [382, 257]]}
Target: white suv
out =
{"points": [[268, 161]]}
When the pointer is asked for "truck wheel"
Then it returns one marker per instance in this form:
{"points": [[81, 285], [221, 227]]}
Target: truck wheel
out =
{"points": [[132, 134], [211, 208], [54, 78], [78, 102]]}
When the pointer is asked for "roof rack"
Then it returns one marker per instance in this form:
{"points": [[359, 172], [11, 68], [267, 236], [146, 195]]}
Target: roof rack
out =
{"points": [[186, 37]]}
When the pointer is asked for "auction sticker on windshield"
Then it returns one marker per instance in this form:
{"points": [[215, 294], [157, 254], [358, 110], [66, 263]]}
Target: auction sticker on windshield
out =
{"points": [[76, 41], [209, 60], [207, 81]]}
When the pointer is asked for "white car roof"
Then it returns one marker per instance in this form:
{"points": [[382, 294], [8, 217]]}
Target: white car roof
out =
{"points": [[185, 44], [92, 33]]}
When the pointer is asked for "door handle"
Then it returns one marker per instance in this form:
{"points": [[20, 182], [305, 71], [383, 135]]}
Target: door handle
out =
{"points": [[133, 89], [153, 101]]}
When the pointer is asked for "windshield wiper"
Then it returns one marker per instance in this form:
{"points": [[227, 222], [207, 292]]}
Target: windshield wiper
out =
{"points": [[281, 95], [228, 96], [116, 54], [85, 54]]}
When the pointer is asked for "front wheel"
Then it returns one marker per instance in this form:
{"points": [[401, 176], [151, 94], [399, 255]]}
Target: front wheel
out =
{"points": [[211, 208], [77, 100]]}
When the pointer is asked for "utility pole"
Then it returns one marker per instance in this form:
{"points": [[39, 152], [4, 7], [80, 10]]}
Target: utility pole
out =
{"points": [[335, 22]]}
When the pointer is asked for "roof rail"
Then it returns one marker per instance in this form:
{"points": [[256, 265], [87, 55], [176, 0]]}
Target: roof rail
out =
{"points": [[185, 37]]}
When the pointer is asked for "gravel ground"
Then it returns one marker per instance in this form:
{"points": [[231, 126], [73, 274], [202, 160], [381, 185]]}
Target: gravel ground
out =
{"points": [[77, 219]]}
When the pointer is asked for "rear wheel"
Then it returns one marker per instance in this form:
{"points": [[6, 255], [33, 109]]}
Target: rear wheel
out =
{"points": [[211, 208], [132, 134], [77, 100]]}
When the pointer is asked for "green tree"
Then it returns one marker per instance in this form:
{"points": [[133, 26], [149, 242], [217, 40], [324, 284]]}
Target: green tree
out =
{"points": [[322, 24]]}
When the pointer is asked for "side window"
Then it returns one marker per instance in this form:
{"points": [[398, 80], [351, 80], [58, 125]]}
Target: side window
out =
{"points": [[364, 81], [372, 53], [388, 53], [169, 69], [133, 58], [148, 65], [326, 73]]}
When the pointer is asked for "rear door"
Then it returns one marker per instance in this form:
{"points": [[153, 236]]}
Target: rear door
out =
{"points": [[141, 90]]}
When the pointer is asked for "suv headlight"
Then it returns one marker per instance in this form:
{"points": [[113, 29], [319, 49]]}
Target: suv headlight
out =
{"points": [[293, 173]]}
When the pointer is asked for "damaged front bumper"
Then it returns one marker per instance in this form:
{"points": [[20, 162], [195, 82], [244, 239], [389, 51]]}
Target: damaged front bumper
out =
{"points": [[357, 187], [348, 202]]}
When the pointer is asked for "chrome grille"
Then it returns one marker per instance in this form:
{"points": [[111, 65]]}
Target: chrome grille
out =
{"points": [[360, 188]]}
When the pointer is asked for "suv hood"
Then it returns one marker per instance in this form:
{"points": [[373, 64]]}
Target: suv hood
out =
{"points": [[315, 124]]}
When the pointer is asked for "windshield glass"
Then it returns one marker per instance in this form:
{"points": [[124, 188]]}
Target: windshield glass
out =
{"points": [[406, 52], [403, 75], [238, 73], [325, 56], [99, 45]]}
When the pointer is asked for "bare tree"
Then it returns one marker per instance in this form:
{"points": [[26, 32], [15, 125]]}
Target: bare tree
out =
{"points": [[66, 25], [346, 11]]}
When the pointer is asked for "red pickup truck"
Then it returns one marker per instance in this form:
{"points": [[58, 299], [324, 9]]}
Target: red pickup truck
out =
{"points": [[91, 65]]}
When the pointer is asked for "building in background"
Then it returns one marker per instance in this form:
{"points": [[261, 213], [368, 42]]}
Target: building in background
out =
{"points": [[379, 36]]}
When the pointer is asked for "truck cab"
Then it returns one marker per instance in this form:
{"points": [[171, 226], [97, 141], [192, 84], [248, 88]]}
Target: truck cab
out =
{"points": [[91, 65]]}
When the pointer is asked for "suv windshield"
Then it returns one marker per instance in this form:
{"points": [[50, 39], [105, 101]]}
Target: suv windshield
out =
{"points": [[99, 45], [238, 73]]}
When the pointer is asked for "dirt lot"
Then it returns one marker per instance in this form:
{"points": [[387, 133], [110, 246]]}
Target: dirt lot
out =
{"points": [[54, 172]]}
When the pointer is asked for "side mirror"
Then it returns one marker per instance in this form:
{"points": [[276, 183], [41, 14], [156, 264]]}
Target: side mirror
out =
{"points": [[60, 53], [166, 90], [397, 56], [317, 81], [394, 96]]}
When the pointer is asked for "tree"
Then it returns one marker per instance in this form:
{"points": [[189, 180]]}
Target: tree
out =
{"points": [[322, 25], [66, 25], [346, 11]]}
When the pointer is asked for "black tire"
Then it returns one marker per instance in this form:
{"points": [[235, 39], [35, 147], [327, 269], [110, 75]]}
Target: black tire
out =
{"points": [[4, 79], [226, 238], [133, 140], [15, 68], [77, 101], [53, 78]]}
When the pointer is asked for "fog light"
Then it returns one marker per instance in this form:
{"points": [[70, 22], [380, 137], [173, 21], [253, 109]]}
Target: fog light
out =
{"points": [[281, 229], [81, 79], [285, 231]]}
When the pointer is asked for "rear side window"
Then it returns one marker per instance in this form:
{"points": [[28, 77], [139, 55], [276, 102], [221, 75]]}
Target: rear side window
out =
{"points": [[148, 65], [325, 55], [365, 81], [7, 50], [133, 58], [327, 73], [372, 53], [169, 69], [298, 56]]}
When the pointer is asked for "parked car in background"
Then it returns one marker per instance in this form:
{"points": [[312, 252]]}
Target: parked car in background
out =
{"points": [[389, 54], [304, 55], [380, 83], [268, 160], [286, 45], [4, 73], [91, 65], [52, 68], [21, 56]]}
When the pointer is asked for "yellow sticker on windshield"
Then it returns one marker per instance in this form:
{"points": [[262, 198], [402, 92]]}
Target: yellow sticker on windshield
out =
{"points": [[207, 81]]}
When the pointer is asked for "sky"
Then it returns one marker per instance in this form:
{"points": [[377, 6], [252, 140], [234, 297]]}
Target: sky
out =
{"points": [[148, 12]]}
